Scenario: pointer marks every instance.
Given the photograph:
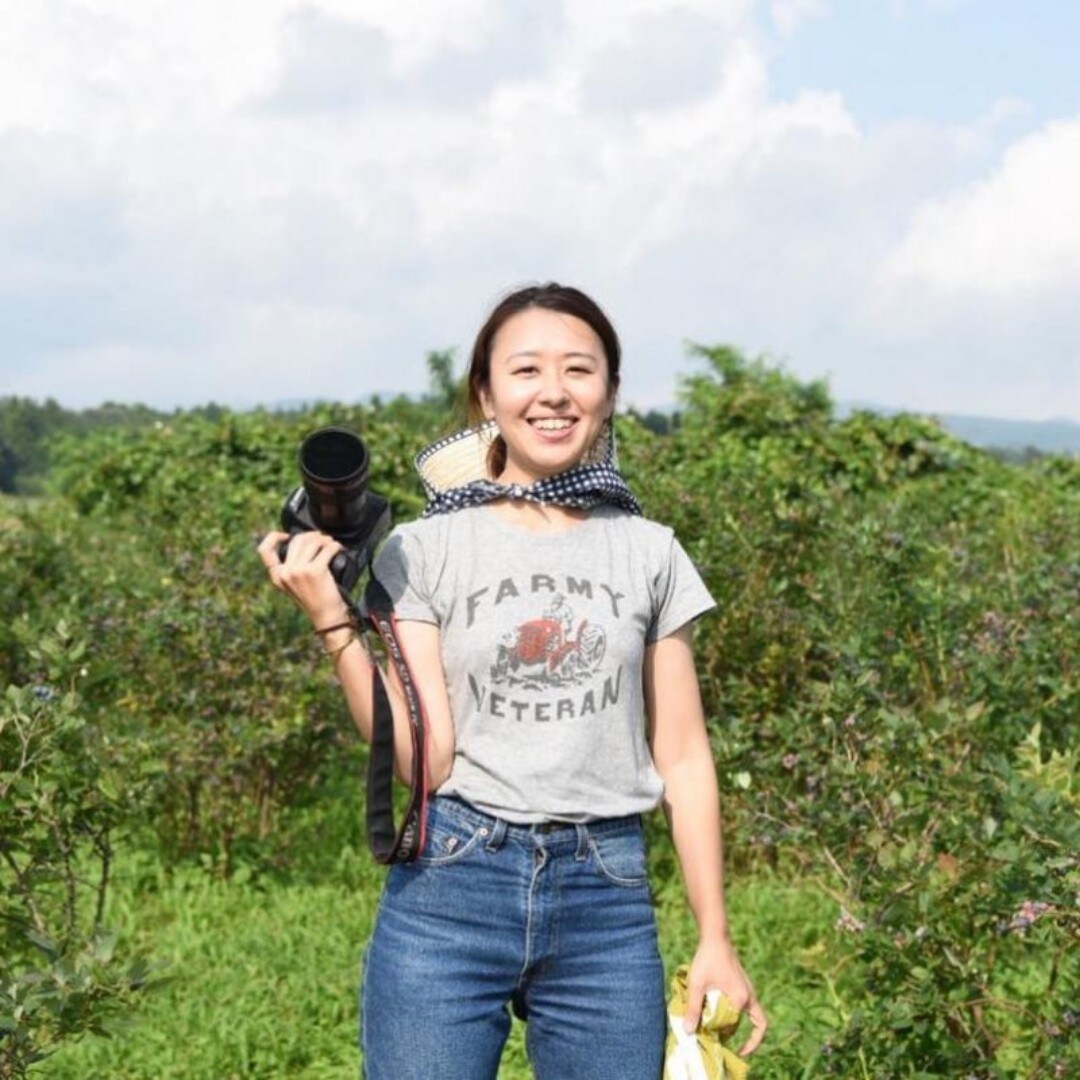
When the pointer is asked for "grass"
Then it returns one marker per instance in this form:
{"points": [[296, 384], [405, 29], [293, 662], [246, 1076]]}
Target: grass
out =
{"points": [[262, 980], [263, 972], [263, 969]]}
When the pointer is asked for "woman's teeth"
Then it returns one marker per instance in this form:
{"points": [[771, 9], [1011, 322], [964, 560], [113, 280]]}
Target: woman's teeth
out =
{"points": [[551, 425]]}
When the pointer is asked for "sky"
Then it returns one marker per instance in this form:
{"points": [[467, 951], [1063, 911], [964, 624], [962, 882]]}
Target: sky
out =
{"points": [[265, 201]]}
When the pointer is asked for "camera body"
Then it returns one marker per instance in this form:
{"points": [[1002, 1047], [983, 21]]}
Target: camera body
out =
{"points": [[334, 499]]}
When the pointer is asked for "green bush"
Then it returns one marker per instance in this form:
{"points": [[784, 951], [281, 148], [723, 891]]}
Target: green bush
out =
{"points": [[890, 680], [61, 975], [897, 613]]}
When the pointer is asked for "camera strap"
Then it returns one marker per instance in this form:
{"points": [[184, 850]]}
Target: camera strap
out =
{"points": [[392, 843]]}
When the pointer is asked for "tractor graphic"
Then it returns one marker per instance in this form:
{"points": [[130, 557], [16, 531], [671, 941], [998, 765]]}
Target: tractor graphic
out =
{"points": [[544, 651]]}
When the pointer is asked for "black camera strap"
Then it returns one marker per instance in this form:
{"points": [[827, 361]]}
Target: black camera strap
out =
{"points": [[390, 843]]}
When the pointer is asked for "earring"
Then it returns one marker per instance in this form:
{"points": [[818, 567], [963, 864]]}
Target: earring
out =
{"points": [[602, 450]]}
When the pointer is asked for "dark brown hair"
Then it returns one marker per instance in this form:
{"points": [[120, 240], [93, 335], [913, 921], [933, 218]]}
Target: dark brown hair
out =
{"points": [[550, 297]]}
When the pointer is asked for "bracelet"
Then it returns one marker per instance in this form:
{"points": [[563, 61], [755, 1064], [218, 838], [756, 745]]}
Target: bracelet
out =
{"points": [[335, 653], [337, 626]]}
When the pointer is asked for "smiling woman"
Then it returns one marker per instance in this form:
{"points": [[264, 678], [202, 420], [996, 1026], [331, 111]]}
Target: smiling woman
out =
{"points": [[547, 626]]}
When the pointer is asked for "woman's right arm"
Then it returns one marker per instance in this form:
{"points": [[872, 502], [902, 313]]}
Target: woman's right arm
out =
{"points": [[304, 575]]}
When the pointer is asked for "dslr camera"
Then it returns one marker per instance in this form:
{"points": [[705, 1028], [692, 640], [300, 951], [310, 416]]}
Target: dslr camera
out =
{"points": [[334, 499]]}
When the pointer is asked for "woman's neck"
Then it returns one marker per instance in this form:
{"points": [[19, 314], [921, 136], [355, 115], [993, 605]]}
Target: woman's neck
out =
{"points": [[538, 517]]}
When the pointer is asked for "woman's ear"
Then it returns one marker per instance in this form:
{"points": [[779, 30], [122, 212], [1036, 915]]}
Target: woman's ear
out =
{"points": [[612, 394], [486, 404]]}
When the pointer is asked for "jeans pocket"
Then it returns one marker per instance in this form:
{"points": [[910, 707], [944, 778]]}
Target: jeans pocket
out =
{"points": [[620, 857], [450, 839]]}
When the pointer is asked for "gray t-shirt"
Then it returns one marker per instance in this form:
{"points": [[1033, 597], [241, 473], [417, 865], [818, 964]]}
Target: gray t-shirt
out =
{"points": [[543, 637]]}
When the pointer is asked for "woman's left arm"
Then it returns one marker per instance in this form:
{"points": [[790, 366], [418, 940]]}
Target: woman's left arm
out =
{"points": [[683, 757]]}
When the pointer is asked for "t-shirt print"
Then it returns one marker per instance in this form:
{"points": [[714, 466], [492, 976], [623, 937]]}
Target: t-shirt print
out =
{"points": [[547, 662], [550, 651]]}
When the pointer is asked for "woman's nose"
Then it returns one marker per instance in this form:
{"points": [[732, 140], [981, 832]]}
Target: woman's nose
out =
{"points": [[553, 392]]}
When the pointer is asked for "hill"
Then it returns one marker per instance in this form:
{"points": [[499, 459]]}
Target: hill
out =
{"points": [[1046, 436]]}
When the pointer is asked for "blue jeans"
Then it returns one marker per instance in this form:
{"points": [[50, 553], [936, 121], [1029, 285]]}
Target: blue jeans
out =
{"points": [[556, 921]]}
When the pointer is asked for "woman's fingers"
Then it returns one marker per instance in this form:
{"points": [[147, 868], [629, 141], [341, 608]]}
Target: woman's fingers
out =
{"points": [[303, 573], [308, 549], [268, 548], [305, 547], [760, 1026], [695, 994]]}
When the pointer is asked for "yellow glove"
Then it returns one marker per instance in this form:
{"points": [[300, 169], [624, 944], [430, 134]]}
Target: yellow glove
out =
{"points": [[702, 1055]]}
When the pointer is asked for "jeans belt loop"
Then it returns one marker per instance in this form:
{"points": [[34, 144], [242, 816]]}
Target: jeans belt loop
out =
{"points": [[582, 842], [498, 835]]}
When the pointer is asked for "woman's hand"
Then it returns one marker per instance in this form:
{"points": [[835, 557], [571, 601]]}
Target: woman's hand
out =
{"points": [[304, 573], [716, 966]]}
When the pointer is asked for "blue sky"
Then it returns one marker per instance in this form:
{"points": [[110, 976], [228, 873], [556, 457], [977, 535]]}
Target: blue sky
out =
{"points": [[295, 199], [940, 62]]}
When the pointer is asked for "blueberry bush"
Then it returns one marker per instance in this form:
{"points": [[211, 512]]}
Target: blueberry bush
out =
{"points": [[890, 678]]}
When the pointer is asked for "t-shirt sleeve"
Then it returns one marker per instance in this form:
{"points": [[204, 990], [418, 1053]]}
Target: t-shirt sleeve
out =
{"points": [[681, 595], [400, 568]]}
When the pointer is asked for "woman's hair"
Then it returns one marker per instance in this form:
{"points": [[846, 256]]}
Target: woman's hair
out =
{"points": [[550, 297]]}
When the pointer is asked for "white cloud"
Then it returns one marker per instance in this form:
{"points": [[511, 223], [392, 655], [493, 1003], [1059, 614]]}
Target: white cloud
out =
{"points": [[281, 199], [1015, 232], [978, 291], [789, 15]]}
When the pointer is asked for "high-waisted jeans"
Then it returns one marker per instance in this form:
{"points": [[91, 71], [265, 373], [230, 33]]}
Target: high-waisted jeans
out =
{"points": [[556, 921]]}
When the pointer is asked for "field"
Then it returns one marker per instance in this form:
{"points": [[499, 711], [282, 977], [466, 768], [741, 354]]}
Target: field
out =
{"points": [[264, 976], [892, 694]]}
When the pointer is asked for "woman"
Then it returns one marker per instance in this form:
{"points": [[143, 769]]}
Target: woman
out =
{"points": [[548, 628]]}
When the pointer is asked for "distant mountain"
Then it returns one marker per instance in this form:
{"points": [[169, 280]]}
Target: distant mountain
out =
{"points": [[1047, 436]]}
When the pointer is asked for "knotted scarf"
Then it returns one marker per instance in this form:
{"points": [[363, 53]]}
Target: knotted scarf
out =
{"points": [[455, 475]]}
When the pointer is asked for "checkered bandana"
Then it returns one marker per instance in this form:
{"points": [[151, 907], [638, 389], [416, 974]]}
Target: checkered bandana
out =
{"points": [[454, 474]]}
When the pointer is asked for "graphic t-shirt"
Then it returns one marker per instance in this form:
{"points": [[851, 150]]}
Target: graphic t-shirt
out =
{"points": [[543, 638]]}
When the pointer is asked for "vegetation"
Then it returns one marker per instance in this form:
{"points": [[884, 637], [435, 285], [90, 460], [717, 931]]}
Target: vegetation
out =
{"points": [[27, 426], [893, 700]]}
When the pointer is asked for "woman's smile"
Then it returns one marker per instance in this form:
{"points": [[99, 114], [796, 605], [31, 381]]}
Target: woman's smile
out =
{"points": [[553, 429], [554, 423]]}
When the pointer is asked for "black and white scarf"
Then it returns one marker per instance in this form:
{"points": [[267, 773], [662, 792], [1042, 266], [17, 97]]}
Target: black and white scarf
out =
{"points": [[454, 474]]}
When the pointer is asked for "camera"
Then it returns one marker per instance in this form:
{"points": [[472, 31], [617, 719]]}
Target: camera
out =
{"points": [[334, 499]]}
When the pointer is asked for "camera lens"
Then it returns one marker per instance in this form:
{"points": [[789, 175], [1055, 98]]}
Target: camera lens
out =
{"points": [[334, 467]]}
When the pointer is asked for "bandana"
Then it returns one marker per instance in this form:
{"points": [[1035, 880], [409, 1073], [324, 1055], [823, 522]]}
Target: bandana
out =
{"points": [[454, 474]]}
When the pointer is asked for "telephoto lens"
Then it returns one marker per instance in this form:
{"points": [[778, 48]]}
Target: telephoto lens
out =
{"points": [[334, 467]]}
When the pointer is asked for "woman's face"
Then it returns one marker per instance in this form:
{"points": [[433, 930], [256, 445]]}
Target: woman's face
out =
{"points": [[548, 391]]}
